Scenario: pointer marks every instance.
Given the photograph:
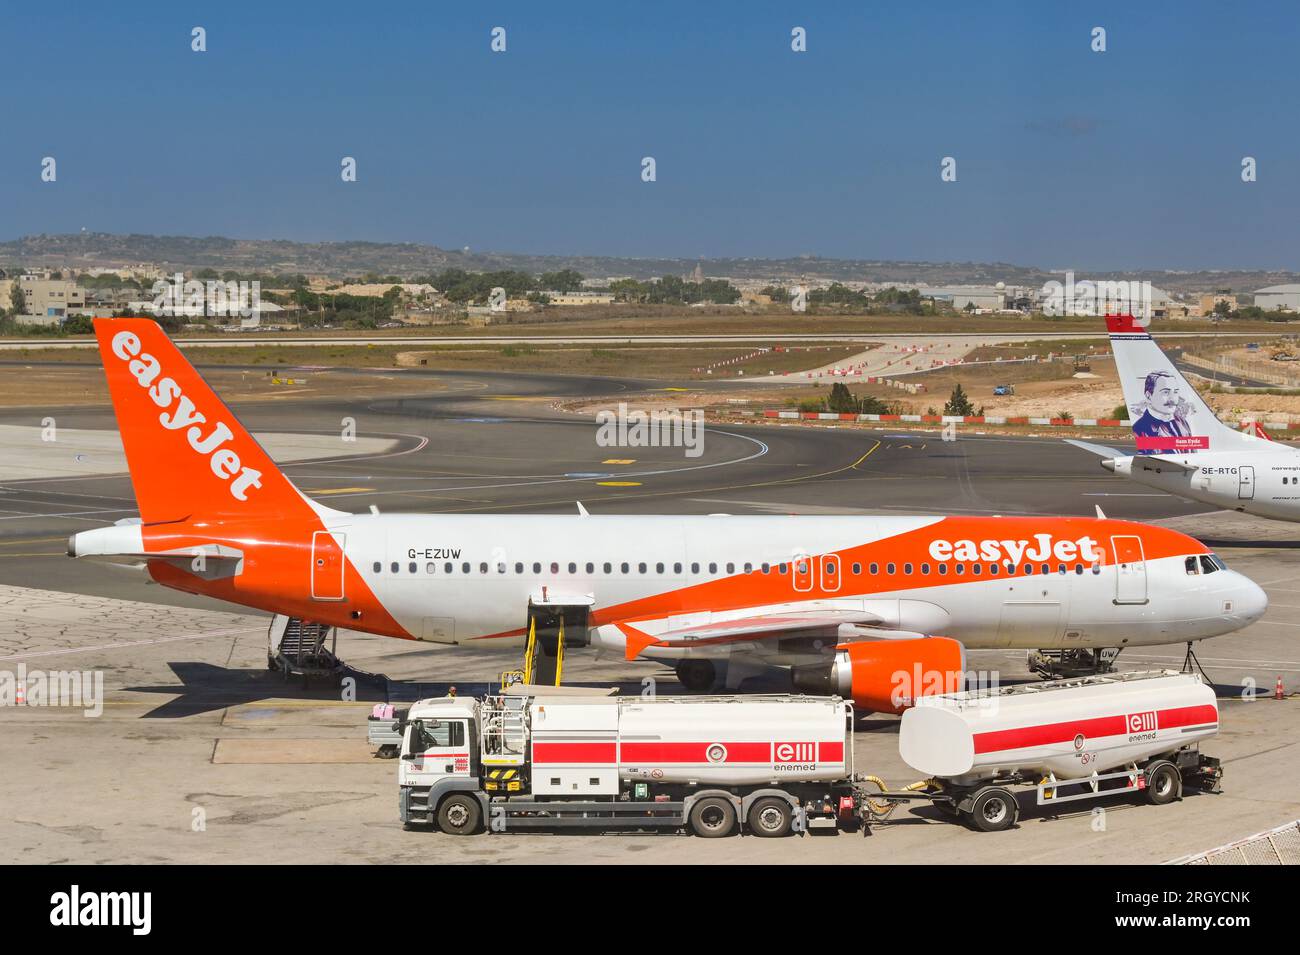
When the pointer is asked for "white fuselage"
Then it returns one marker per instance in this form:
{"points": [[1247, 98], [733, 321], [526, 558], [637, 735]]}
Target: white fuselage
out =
{"points": [[1263, 483], [456, 579]]}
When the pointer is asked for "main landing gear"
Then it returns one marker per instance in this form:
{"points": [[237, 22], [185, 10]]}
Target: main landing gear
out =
{"points": [[1066, 664], [696, 675]]}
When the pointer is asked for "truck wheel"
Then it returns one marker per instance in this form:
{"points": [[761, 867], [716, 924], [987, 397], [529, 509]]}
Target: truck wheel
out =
{"points": [[994, 809], [459, 814], [713, 817], [770, 817], [1164, 783], [696, 675]]}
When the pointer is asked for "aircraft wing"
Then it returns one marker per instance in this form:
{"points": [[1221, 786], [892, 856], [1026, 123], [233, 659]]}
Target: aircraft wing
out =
{"points": [[760, 627]]}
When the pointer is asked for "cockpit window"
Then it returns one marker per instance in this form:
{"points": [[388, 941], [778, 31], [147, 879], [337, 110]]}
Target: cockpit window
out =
{"points": [[1192, 566], [1207, 564]]}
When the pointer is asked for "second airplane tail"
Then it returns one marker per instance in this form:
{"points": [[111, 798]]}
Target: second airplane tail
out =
{"points": [[1168, 415]]}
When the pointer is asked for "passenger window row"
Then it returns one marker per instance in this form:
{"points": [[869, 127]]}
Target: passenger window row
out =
{"points": [[829, 570]]}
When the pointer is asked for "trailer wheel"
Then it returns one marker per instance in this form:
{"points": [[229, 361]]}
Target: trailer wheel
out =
{"points": [[770, 817], [459, 814], [1164, 783], [696, 675], [713, 817], [994, 809]]}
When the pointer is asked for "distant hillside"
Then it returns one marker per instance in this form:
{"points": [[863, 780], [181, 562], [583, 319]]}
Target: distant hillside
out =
{"points": [[88, 250]]}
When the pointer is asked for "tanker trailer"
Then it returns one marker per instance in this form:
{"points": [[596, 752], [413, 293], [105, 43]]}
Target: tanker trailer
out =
{"points": [[1072, 739]]}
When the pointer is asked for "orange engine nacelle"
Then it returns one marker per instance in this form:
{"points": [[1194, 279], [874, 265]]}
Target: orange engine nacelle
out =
{"points": [[886, 676]]}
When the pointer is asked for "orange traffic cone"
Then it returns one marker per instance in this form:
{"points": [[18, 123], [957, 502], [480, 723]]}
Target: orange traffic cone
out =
{"points": [[1278, 692]]}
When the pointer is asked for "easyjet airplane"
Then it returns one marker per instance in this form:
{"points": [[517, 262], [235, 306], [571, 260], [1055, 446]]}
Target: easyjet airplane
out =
{"points": [[851, 602], [1182, 447]]}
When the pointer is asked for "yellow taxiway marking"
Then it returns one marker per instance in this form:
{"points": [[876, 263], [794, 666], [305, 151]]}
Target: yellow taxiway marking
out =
{"points": [[674, 389], [619, 461], [517, 397], [619, 483], [338, 490]]}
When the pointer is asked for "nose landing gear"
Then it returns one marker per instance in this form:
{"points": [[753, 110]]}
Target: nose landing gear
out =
{"points": [[1065, 664]]}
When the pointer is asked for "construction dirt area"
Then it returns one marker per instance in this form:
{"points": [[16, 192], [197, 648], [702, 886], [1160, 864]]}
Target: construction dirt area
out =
{"points": [[1064, 379]]}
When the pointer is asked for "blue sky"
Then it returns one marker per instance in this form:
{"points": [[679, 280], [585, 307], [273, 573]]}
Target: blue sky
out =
{"points": [[1066, 158]]}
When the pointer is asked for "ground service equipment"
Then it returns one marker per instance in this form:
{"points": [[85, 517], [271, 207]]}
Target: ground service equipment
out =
{"points": [[1072, 739], [533, 758]]}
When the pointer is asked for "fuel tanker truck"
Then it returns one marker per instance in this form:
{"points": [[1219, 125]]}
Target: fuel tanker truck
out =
{"points": [[1071, 739], [535, 757], [556, 757]]}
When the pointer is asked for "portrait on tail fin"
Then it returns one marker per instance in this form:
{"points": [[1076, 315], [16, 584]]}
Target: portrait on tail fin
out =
{"points": [[1161, 417]]}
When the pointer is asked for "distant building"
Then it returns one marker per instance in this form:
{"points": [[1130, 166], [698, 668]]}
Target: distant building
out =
{"points": [[52, 298], [142, 272], [1279, 296], [984, 298], [580, 298], [1097, 297], [379, 290], [1210, 300]]}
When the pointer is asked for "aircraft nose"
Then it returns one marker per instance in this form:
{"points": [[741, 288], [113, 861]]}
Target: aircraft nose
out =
{"points": [[1249, 600]]}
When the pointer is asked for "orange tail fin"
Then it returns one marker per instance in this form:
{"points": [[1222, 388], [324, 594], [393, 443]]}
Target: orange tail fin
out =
{"points": [[187, 453]]}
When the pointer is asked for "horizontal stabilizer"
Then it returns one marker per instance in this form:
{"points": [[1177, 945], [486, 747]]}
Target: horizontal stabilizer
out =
{"points": [[1098, 449]]}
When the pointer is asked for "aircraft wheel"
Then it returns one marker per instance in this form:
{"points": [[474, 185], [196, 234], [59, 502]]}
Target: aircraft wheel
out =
{"points": [[696, 675]]}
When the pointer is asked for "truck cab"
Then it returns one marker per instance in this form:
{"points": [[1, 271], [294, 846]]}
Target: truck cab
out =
{"points": [[440, 751]]}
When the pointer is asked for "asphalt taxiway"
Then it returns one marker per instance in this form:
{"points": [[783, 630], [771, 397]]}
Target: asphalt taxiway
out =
{"points": [[202, 755]]}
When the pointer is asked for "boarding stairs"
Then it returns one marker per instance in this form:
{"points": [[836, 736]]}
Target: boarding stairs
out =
{"points": [[544, 655], [296, 647]]}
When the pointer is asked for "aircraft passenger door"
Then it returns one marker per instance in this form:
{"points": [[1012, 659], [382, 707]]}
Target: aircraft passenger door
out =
{"points": [[327, 565], [830, 572], [802, 565], [1246, 482], [1130, 570]]}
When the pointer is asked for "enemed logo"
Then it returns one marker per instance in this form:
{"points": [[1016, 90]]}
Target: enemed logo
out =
{"points": [[1142, 722], [796, 752], [179, 412]]}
